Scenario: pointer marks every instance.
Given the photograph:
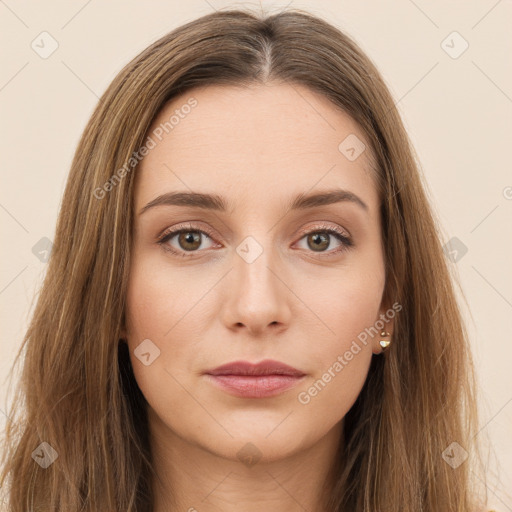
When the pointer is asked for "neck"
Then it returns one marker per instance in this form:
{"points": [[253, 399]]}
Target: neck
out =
{"points": [[193, 478]]}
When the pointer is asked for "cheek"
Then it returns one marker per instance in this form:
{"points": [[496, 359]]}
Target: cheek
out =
{"points": [[326, 398], [155, 317], [341, 351], [163, 309], [340, 362], [159, 299], [343, 308]]}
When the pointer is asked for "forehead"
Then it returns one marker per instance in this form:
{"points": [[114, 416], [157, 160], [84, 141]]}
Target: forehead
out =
{"points": [[258, 140]]}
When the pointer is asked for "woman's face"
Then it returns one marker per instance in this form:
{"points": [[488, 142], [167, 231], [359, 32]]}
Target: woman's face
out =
{"points": [[251, 278]]}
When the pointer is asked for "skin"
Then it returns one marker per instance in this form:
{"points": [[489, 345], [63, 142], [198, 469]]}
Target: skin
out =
{"points": [[258, 147]]}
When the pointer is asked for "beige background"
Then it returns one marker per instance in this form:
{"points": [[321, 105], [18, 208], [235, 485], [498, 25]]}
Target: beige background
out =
{"points": [[458, 112]]}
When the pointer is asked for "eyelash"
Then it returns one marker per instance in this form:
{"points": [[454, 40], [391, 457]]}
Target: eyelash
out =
{"points": [[338, 234]]}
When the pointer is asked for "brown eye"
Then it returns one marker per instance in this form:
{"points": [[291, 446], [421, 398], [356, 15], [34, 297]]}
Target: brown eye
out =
{"points": [[318, 241], [189, 240]]}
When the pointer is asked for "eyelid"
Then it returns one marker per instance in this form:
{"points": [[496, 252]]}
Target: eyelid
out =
{"points": [[185, 226], [326, 227]]}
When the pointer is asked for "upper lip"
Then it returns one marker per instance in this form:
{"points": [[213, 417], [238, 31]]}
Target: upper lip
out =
{"points": [[267, 367]]}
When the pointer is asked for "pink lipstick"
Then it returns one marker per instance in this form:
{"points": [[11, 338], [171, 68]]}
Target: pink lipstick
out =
{"points": [[247, 380]]}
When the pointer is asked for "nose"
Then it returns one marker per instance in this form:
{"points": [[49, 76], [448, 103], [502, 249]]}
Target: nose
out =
{"points": [[257, 298]]}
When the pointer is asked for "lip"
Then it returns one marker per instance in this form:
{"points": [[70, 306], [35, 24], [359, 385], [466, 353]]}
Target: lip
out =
{"points": [[266, 367], [248, 380]]}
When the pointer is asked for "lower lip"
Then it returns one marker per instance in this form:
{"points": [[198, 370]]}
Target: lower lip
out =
{"points": [[260, 386]]}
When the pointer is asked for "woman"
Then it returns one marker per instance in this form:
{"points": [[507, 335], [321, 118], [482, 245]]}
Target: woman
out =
{"points": [[247, 303]]}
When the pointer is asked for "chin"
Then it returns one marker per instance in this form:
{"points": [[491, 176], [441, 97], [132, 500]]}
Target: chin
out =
{"points": [[261, 443]]}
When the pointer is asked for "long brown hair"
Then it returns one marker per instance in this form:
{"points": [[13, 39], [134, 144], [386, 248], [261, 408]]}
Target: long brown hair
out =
{"points": [[77, 392]]}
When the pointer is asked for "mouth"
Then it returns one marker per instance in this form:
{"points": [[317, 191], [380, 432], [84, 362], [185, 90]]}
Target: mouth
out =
{"points": [[247, 380]]}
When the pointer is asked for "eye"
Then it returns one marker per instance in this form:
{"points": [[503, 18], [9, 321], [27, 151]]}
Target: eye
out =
{"points": [[319, 239], [188, 240]]}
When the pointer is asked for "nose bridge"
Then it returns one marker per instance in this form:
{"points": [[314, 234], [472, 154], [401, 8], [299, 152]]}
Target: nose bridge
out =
{"points": [[256, 295], [254, 265]]}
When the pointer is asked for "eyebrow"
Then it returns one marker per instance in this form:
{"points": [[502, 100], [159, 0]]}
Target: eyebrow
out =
{"points": [[218, 203]]}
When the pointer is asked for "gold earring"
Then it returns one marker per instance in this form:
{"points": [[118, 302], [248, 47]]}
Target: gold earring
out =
{"points": [[384, 343]]}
